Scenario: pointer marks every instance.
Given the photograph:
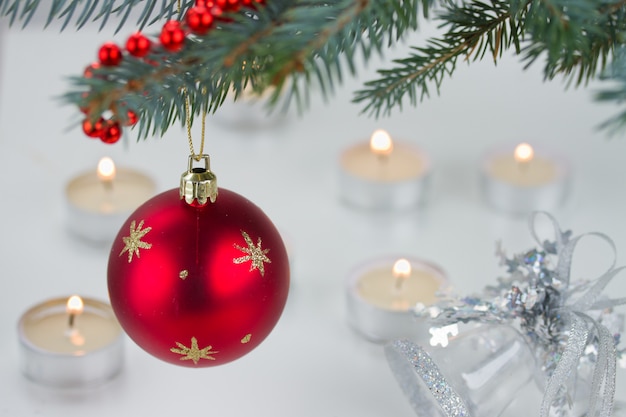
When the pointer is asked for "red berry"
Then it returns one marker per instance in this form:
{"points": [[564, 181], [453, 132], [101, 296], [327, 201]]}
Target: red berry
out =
{"points": [[88, 73], [232, 5], [227, 5], [172, 36], [93, 130], [138, 45], [112, 132], [110, 54], [199, 19], [131, 118], [217, 7], [217, 11], [210, 3]]}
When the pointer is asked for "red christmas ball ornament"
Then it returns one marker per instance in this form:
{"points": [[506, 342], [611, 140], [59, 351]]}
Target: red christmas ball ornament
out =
{"points": [[111, 133], [110, 54], [195, 282], [172, 36], [199, 20], [138, 45], [93, 129]]}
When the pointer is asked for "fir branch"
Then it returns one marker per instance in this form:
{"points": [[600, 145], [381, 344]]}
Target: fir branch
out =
{"points": [[616, 75], [576, 38], [472, 30], [294, 46], [284, 45], [584, 43], [81, 12]]}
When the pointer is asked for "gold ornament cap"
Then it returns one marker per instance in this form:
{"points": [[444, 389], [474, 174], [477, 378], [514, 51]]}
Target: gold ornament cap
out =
{"points": [[198, 184]]}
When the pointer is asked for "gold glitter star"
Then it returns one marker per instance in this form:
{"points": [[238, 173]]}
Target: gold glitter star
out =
{"points": [[254, 254], [193, 353], [133, 243]]}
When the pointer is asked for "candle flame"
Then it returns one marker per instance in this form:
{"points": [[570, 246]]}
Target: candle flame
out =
{"points": [[402, 269], [74, 305], [524, 153], [106, 169], [381, 143]]}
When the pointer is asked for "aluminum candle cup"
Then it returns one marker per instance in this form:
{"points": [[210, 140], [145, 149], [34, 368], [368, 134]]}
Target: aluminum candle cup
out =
{"points": [[520, 180], [384, 175], [382, 294], [69, 348], [249, 112], [99, 202]]}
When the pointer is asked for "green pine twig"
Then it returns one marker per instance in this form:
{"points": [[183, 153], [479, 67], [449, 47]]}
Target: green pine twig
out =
{"points": [[471, 31], [295, 46], [285, 45]]}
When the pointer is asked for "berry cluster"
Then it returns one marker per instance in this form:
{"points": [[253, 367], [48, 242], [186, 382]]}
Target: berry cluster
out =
{"points": [[199, 20]]}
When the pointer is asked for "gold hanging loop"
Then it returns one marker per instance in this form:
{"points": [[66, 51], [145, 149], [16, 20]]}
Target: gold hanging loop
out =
{"points": [[198, 185], [196, 156]]}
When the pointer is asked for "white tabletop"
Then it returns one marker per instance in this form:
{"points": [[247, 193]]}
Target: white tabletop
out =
{"points": [[312, 365]]}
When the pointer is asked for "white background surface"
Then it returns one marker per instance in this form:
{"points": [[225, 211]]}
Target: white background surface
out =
{"points": [[312, 365]]}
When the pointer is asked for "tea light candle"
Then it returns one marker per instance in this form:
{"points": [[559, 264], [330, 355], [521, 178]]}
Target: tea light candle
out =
{"points": [[70, 342], [100, 201], [248, 111], [522, 180], [382, 295], [383, 174]]}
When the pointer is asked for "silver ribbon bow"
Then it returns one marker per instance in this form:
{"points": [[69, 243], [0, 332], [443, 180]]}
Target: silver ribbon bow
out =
{"points": [[563, 342], [583, 327]]}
